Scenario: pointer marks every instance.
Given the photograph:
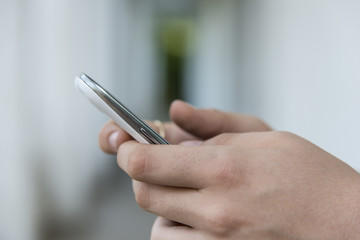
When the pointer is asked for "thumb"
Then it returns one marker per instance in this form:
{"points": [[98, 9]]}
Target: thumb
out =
{"points": [[207, 123]]}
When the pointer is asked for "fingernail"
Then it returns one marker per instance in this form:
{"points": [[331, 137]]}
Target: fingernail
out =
{"points": [[191, 143], [113, 140]]}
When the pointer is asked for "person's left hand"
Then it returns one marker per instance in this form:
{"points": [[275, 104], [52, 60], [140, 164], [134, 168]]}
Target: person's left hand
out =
{"points": [[267, 185]]}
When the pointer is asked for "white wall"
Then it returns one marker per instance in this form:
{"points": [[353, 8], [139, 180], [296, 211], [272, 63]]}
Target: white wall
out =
{"points": [[51, 167], [296, 66], [14, 210]]}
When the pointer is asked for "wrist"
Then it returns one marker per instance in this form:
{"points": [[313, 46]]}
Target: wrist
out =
{"points": [[354, 220], [343, 211]]}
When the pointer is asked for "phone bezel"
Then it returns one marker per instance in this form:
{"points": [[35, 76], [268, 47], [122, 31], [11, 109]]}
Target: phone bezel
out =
{"points": [[124, 112]]}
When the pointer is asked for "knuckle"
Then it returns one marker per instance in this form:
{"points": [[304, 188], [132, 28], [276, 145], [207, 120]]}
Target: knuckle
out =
{"points": [[225, 175], [136, 165], [227, 169], [142, 196], [133, 160], [220, 220], [283, 134], [282, 137], [275, 139], [223, 139]]}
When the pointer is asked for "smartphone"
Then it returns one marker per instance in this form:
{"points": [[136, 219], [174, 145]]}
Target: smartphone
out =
{"points": [[117, 111]]}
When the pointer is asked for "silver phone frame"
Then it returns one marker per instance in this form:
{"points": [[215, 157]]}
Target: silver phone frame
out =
{"points": [[151, 136]]}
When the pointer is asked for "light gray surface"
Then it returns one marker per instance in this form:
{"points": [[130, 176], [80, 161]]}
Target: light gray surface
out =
{"points": [[111, 214], [119, 217]]}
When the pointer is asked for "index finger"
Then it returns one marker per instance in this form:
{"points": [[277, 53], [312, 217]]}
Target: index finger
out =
{"points": [[170, 165], [207, 123]]}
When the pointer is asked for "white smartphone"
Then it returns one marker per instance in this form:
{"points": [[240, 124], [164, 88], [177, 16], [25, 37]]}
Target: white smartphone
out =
{"points": [[117, 111]]}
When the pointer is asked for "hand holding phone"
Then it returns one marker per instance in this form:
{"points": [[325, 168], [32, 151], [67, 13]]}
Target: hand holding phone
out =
{"points": [[117, 111]]}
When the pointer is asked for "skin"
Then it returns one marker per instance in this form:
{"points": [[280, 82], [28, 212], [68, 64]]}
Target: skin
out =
{"points": [[227, 176]]}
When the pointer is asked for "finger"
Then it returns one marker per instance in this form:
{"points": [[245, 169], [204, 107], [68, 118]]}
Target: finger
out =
{"points": [[164, 229], [170, 165], [207, 123], [181, 205], [173, 133], [252, 140], [111, 136]]}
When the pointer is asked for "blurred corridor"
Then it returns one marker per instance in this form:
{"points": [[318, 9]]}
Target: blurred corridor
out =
{"points": [[293, 63]]}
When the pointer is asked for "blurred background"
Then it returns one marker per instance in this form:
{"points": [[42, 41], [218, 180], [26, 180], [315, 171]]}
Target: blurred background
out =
{"points": [[295, 64]]}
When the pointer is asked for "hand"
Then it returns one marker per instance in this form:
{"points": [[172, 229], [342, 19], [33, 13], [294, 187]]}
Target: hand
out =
{"points": [[188, 124], [268, 185]]}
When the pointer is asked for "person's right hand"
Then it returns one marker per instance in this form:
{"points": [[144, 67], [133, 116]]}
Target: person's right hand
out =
{"points": [[188, 124]]}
